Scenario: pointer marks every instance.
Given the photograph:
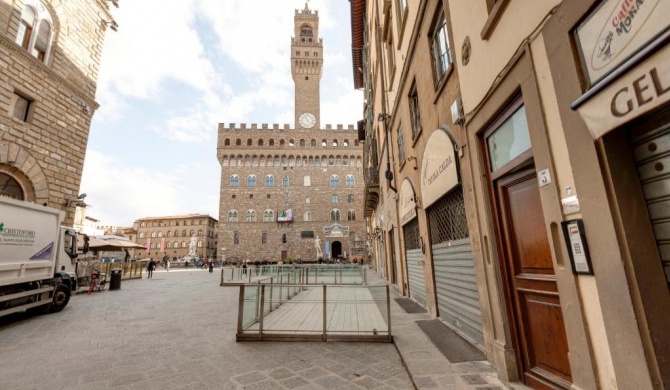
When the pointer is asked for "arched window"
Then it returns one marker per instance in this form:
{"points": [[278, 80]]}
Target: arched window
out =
{"points": [[306, 31], [313, 143], [268, 216], [350, 198], [307, 181], [199, 232], [334, 181], [232, 216], [307, 200], [251, 181], [35, 32], [302, 143], [183, 233], [227, 142], [260, 142], [191, 233], [176, 233], [168, 245], [199, 244], [143, 224], [282, 142], [160, 234], [345, 143], [251, 216], [334, 143], [335, 215], [284, 181], [153, 234], [291, 143], [234, 181], [250, 142], [335, 198], [350, 181], [351, 215], [264, 238], [238, 142], [142, 235], [169, 234], [307, 217], [272, 142], [324, 142], [269, 181], [236, 238]]}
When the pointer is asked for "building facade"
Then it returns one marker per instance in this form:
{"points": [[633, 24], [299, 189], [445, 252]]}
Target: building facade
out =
{"points": [[286, 191], [50, 54], [556, 115], [172, 235]]}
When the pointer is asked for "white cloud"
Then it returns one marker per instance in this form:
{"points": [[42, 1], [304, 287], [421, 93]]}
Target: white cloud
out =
{"points": [[121, 194]]}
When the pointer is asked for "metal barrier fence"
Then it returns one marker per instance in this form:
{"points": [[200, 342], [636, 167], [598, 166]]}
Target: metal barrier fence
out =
{"points": [[130, 270], [306, 274], [277, 311]]}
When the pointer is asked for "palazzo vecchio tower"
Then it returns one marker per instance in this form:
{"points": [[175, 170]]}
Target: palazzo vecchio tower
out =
{"points": [[282, 186]]}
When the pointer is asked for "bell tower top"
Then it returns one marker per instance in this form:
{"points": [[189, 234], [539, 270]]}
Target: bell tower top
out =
{"points": [[306, 68]]}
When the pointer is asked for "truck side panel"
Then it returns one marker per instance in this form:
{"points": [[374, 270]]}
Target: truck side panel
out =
{"points": [[28, 241]]}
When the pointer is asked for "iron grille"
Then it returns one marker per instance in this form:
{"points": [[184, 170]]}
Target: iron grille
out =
{"points": [[411, 232], [446, 218]]}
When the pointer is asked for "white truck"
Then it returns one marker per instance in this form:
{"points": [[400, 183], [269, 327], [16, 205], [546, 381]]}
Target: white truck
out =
{"points": [[38, 258]]}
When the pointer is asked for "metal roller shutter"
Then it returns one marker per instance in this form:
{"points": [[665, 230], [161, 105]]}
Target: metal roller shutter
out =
{"points": [[652, 156], [456, 287], [413, 256], [453, 262]]}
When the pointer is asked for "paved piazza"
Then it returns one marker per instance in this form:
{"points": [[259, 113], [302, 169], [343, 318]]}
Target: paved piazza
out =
{"points": [[176, 331]]}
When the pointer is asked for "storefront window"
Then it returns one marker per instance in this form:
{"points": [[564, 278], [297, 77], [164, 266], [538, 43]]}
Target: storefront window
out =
{"points": [[509, 140]]}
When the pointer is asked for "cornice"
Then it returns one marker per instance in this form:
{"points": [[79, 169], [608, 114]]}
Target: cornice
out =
{"points": [[37, 66]]}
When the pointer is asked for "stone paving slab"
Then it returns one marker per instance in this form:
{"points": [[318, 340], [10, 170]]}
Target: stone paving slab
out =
{"points": [[176, 331]]}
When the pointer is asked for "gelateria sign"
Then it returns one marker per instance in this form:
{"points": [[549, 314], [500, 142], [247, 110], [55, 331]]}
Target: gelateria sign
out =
{"points": [[439, 173], [642, 89], [616, 30], [407, 202]]}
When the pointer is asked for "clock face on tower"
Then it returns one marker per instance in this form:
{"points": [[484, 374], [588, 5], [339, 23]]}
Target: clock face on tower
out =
{"points": [[307, 120]]}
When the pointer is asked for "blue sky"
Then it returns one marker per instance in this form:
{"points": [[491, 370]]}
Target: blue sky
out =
{"points": [[172, 72]]}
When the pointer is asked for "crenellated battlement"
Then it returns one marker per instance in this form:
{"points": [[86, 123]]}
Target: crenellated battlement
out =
{"points": [[278, 127]]}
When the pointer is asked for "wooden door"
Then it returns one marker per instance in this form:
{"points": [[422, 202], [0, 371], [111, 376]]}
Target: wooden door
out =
{"points": [[542, 346]]}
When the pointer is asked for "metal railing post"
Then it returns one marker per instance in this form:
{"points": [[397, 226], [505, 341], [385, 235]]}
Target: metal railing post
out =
{"points": [[388, 310], [260, 321], [222, 269], [325, 334], [271, 290], [240, 310], [365, 276]]}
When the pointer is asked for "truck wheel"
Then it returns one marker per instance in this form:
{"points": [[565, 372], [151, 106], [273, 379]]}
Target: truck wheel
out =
{"points": [[60, 299]]}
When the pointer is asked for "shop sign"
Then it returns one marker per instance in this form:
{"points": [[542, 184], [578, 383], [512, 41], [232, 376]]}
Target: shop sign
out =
{"points": [[407, 202], [616, 30], [439, 173], [639, 91]]}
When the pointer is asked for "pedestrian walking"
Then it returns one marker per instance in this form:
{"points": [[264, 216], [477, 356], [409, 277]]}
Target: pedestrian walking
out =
{"points": [[211, 267], [186, 264], [167, 265], [150, 267], [166, 258]]}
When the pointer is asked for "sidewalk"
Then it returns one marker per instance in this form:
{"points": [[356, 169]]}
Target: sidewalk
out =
{"points": [[427, 366]]}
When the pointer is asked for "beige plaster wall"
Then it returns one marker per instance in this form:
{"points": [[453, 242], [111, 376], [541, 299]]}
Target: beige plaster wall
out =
{"points": [[490, 56]]}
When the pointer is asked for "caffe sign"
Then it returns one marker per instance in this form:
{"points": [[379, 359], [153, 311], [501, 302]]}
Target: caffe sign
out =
{"points": [[407, 200], [439, 172], [639, 91], [616, 30]]}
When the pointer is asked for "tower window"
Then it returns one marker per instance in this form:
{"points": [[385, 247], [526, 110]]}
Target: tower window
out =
{"points": [[36, 40], [306, 77], [306, 31]]}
